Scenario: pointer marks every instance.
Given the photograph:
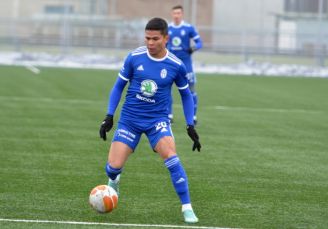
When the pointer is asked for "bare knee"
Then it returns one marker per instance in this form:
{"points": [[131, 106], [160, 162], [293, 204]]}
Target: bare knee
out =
{"points": [[118, 154], [166, 147]]}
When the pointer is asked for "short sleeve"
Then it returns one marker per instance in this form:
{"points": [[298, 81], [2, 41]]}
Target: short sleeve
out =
{"points": [[181, 80], [193, 33], [126, 71]]}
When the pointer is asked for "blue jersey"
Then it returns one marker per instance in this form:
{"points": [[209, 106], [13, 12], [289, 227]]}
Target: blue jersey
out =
{"points": [[179, 40], [150, 82]]}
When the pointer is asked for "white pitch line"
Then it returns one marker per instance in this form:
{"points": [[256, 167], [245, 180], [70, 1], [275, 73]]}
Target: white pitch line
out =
{"points": [[108, 224], [277, 110], [32, 68], [49, 100], [253, 109], [223, 108]]}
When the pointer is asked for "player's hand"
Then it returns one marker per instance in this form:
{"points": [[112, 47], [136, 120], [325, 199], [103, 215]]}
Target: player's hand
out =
{"points": [[106, 126], [191, 50], [194, 137]]}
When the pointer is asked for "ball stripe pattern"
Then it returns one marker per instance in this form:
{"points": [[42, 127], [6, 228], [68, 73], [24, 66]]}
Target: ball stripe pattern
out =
{"points": [[103, 199]]}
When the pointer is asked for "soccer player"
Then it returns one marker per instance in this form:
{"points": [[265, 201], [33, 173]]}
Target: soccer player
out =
{"points": [[150, 71], [180, 35]]}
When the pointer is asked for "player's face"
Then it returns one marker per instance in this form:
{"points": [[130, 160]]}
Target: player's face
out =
{"points": [[177, 16], [156, 43]]}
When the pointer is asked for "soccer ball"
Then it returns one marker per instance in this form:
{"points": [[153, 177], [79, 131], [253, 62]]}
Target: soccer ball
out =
{"points": [[103, 198]]}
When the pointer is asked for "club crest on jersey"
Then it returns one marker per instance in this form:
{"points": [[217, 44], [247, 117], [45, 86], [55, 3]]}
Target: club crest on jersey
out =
{"points": [[148, 88], [183, 32], [163, 73]]}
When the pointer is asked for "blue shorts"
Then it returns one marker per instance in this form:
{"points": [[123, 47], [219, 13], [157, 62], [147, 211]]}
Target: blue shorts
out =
{"points": [[130, 132], [190, 73], [191, 78]]}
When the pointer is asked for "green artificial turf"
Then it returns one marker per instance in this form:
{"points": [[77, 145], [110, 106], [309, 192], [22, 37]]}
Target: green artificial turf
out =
{"points": [[263, 164]]}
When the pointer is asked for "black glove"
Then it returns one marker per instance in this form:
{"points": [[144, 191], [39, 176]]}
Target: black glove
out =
{"points": [[194, 136], [105, 126], [191, 50]]}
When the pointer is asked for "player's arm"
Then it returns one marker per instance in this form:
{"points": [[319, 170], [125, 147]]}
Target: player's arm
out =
{"points": [[188, 109], [115, 95], [181, 82], [114, 98], [198, 43], [188, 106]]}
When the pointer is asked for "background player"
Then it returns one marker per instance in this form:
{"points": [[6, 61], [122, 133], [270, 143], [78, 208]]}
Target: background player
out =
{"points": [[150, 71], [180, 35]]}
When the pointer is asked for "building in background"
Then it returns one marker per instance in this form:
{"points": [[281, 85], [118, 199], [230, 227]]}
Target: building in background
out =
{"points": [[248, 23], [102, 23], [306, 25], [240, 27]]}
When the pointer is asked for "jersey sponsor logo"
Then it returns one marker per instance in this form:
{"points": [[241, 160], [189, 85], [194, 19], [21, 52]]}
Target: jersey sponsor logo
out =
{"points": [[145, 99], [176, 48], [176, 41], [163, 73], [148, 88], [140, 68]]}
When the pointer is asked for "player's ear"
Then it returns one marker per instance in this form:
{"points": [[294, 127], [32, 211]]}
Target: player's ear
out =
{"points": [[166, 38]]}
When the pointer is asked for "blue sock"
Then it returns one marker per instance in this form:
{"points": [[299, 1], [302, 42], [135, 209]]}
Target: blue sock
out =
{"points": [[195, 98], [112, 173], [179, 178]]}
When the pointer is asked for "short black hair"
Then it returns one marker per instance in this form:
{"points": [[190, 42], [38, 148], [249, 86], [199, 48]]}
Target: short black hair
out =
{"points": [[157, 24], [177, 7]]}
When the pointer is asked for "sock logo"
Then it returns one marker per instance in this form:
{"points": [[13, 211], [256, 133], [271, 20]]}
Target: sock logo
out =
{"points": [[180, 180]]}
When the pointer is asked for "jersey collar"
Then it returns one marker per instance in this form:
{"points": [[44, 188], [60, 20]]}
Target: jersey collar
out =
{"points": [[177, 26], [158, 59]]}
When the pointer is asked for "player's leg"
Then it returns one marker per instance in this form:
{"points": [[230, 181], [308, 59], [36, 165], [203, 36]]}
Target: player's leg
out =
{"points": [[123, 144], [162, 141], [166, 149], [117, 156]]}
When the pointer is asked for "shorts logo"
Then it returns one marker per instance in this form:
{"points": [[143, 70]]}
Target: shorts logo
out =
{"points": [[125, 134], [163, 73], [161, 126], [148, 88]]}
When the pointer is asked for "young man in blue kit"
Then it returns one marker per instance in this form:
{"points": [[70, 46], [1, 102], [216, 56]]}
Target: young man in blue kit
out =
{"points": [[151, 71], [180, 36]]}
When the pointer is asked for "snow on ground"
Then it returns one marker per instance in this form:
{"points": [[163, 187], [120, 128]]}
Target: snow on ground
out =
{"points": [[111, 62]]}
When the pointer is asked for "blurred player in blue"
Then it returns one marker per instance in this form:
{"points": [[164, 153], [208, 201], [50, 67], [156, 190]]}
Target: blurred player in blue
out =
{"points": [[180, 35], [150, 72]]}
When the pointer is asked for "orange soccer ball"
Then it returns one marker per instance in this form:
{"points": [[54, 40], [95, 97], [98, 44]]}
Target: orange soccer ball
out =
{"points": [[103, 198]]}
